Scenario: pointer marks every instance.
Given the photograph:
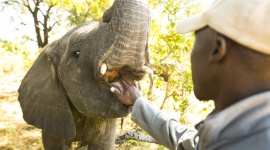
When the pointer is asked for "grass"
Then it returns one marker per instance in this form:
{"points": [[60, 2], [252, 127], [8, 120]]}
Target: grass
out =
{"points": [[15, 134]]}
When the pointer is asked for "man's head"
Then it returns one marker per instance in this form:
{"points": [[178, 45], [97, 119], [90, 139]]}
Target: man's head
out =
{"points": [[231, 53], [242, 21]]}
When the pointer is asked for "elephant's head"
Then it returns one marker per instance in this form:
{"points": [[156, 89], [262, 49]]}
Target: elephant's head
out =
{"points": [[75, 70]]}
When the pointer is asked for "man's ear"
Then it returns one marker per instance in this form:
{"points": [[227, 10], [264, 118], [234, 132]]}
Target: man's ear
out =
{"points": [[219, 49]]}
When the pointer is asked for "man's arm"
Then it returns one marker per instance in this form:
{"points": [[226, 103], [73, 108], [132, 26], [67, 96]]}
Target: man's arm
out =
{"points": [[167, 131]]}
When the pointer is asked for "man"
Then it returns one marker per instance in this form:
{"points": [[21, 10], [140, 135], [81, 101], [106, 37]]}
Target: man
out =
{"points": [[230, 65]]}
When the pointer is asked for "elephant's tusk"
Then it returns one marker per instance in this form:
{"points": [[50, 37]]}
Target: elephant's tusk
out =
{"points": [[103, 68], [147, 70]]}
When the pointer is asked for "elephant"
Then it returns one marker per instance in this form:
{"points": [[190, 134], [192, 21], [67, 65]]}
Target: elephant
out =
{"points": [[66, 92]]}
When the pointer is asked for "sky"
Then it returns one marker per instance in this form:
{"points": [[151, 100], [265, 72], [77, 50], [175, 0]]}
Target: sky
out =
{"points": [[7, 29], [11, 28]]}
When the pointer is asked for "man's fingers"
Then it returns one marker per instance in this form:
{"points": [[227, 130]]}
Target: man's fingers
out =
{"points": [[124, 83], [115, 91], [135, 83]]}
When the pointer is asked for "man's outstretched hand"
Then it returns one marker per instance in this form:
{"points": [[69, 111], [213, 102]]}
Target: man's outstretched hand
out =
{"points": [[128, 93]]}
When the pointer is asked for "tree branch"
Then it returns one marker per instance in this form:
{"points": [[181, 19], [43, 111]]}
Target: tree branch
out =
{"points": [[42, 12], [27, 5], [41, 23], [170, 49], [37, 27], [135, 135], [167, 95], [50, 27], [150, 89]]}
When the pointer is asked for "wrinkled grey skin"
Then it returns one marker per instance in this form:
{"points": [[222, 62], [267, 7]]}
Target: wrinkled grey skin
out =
{"points": [[65, 94]]}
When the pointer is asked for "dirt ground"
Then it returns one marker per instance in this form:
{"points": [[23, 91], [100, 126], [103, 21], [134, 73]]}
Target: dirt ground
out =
{"points": [[15, 134]]}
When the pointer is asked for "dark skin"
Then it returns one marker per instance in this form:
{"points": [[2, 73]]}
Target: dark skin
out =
{"points": [[127, 93], [222, 70]]}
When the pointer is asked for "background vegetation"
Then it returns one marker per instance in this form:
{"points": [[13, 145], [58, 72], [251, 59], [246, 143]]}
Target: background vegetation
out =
{"points": [[35, 23]]}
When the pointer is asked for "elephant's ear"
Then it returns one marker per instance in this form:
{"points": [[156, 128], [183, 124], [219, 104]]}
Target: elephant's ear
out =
{"points": [[43, 103]]}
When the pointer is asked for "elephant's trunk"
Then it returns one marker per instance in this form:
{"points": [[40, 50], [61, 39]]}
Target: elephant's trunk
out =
{"points": [[129, 27]]}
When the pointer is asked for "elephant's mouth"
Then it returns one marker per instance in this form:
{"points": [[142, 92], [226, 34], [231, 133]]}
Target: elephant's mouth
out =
{"points": [[126, 73], [112, 77]]}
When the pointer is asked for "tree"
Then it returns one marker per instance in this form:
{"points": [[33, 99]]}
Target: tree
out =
{"points": [[42, 13], [48, 13], [42, 23], [81, 11]]}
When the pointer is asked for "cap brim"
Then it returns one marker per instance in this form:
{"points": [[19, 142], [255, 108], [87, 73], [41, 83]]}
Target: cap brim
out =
{"points": [[190, 24]]}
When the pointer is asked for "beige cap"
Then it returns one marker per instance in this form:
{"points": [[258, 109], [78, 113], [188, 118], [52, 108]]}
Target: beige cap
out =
{"points": [[244, 21]]}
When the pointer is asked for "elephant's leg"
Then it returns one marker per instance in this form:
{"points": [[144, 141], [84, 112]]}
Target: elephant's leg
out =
{"points": [[52, 143], [98, 133], [106, 142]]}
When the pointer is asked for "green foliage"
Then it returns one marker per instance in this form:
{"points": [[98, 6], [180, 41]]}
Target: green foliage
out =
{"points": [[17, 48], [98, 7], [170, 52], [161, 147], [170, 58], [80, 11], [11, 47]]}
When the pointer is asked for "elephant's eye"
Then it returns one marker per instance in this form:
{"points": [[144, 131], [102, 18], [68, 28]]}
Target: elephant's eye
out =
{"points": [[77, 54]]}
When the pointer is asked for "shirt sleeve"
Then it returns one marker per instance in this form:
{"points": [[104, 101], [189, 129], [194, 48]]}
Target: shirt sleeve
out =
{"points": [[167, 131]]}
